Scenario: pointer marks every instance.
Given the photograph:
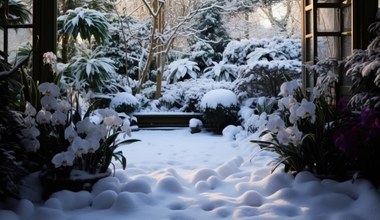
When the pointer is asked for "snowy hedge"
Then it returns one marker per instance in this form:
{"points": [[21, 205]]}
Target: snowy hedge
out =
{"points": [[182, 96], [262, 64]]}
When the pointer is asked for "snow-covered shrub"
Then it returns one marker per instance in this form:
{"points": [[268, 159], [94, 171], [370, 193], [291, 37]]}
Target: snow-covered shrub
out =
{"points": [[180, 96], [13, 164], [363, 67], [264, 78], [231, 132], [91, 72], [13, 157], [202, 53], [221, 71], [262, 64], [239, 52], [124, 102], [220, 108], [180, 70]]}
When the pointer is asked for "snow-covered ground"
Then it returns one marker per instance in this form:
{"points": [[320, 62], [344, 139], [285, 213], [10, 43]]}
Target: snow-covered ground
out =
{"points": [[173, 174]]}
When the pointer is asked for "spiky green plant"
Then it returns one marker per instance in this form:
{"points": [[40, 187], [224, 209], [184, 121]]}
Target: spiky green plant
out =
{"points": [[18, 13], [86, 23], [91, 71]]}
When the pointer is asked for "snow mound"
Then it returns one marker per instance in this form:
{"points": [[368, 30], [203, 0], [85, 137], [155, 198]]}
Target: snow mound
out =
{"points": [[223, 97], [214, 181]]}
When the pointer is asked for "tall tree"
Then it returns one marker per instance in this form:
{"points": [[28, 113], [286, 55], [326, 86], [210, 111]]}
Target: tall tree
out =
{"points": [[278, 20], [211, 30]]}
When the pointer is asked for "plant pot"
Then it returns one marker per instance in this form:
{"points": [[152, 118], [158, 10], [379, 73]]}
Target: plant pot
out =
{"points": [[195, 130], [78, 181]]}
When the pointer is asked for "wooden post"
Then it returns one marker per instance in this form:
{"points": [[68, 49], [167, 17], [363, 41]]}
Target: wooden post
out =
{"points": [[44, 37], [364, 13]]}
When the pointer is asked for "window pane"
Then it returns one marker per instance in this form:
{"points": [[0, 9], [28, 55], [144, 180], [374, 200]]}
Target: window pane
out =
{"points": [[18, 38], [346, 46], [327, 47], [1, 40], [346, 14], [309, 22], [309, 50], [328, 19], [328, 1]]}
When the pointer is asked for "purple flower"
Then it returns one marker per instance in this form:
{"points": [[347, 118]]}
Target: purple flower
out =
{"points": [[360, 134], [342, 104], [350, 139], [369, 117]]}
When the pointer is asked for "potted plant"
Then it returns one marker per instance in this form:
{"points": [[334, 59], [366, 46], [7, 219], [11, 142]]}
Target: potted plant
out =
{"points": [[219, 108], [73, 149], [301, 132]]}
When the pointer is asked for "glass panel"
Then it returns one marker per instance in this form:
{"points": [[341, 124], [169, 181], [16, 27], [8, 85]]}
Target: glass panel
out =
{"points": [[309, 22], [346, 16], [327, 47], [1, 40], [309, 50], [328, 1], [346, 46], [346, 51], [328, 19], [18, 38]]}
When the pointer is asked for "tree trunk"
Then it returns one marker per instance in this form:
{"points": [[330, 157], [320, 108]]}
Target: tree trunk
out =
{"points": [[246, 31], [152, 48], [161, 57], [66, 5]]}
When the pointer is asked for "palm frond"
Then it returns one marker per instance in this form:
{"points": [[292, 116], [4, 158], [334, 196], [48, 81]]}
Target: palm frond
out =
{"points": [[86, 23]]}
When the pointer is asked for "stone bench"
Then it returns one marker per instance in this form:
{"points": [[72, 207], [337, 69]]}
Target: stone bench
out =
{"points": [[165, 119]]}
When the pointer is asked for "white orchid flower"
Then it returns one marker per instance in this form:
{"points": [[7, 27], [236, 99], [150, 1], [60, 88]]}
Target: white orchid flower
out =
{"points": [[29, 121], [98, 132], [30, 110], [49, 89], [287, 88], [275, 123], [70, 133], [295, 134], [63, 106], [49, 102], [63, 159], [286, 102], [107, 112], [306, 110], [43, 117], [283, 137], [85, 126], [31, 132], [58, 118], [94, 144], [113, 121], [80, 146]]}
